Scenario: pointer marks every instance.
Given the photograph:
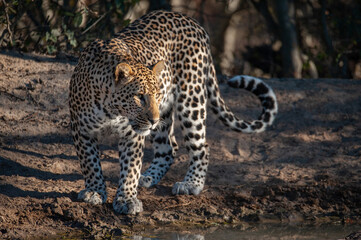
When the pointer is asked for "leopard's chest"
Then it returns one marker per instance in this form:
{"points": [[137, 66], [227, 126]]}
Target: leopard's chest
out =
{"points": [[168, 90]]}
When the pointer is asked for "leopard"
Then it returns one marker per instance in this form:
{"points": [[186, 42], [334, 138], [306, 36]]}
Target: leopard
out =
{"points": [[134, 86]]}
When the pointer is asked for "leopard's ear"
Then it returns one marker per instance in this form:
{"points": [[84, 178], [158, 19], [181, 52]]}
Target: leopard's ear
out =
{"points": [[123, 71], [158, 68]]}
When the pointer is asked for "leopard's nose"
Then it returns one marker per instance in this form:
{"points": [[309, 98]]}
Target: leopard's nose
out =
{"points": [[153, 121]]}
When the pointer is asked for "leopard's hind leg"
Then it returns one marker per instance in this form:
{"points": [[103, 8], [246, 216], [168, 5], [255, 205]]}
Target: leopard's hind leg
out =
{"points": [[191, 111]]}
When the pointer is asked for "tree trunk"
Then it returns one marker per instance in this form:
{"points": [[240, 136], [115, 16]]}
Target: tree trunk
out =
{"points": [[159, 4], [291, 56]]}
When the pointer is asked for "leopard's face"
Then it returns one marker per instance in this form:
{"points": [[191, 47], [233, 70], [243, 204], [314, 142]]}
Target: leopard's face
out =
{"points": [[137, 95]]}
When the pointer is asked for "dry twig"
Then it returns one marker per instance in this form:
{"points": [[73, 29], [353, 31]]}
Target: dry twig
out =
{"points": [[8, 22], [95, 23]]}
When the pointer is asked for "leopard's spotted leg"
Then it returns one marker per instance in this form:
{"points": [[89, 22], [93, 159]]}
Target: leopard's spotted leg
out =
{"points": [[88, 154], [165, 147], [192, 114], [130, 158]]}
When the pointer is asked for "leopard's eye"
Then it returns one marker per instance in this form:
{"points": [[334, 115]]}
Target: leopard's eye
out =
{"points": [[141, 99]]}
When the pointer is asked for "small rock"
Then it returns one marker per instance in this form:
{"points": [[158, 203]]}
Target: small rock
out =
{"points": [[212, 210], [48, 210], [292, 195], [156, 215], [116, 232], [57, 210], [354, 236], [295, 217], [228, 219]]}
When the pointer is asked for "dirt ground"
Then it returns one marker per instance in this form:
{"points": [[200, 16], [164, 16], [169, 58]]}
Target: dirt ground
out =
{"points": [[306, 168]]}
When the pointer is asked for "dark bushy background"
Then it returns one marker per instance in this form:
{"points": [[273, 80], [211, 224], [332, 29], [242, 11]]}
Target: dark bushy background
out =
{"points": [[315, 38]]}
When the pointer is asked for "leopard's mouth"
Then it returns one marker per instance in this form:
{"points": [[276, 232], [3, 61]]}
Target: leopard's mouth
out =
{"points": [[141, 129], [143, 132]]}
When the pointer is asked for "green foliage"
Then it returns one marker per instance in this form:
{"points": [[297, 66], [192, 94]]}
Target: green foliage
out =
{"points": [[52, 26]]}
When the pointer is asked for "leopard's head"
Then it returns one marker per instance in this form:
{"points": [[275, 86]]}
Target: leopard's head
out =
{"points": [[137, 95]]}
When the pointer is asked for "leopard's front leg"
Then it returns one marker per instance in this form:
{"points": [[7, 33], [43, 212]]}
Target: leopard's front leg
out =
{"points": [[88, 153], [165, 147], [130, 158]]}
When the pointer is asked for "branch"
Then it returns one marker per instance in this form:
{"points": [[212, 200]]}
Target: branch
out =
{"points": [[8, 22], [96, 22]]}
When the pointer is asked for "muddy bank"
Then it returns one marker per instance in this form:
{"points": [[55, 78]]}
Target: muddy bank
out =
{"points": [[305, 168]]}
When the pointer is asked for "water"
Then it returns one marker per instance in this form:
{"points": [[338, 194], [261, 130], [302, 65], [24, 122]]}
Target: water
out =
{"points": [[269, 232]]}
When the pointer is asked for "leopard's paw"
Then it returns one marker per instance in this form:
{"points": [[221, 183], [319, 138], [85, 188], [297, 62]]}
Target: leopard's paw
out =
{"points": [[129, 206], [92, 197], [145, 181], [187, 188]]}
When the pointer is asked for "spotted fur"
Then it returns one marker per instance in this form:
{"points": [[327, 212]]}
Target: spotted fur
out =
{"points": [[135, 84]]}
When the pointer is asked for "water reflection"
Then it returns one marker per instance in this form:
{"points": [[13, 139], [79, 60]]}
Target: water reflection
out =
{"points": [[320, 232], [172, 236]]}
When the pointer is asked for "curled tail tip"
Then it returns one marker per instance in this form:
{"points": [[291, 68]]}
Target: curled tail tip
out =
{"points": [[253, 84], [265, 94]]}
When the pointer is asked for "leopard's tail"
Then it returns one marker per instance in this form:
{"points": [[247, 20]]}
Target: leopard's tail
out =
{"points": [[258, 88]]}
